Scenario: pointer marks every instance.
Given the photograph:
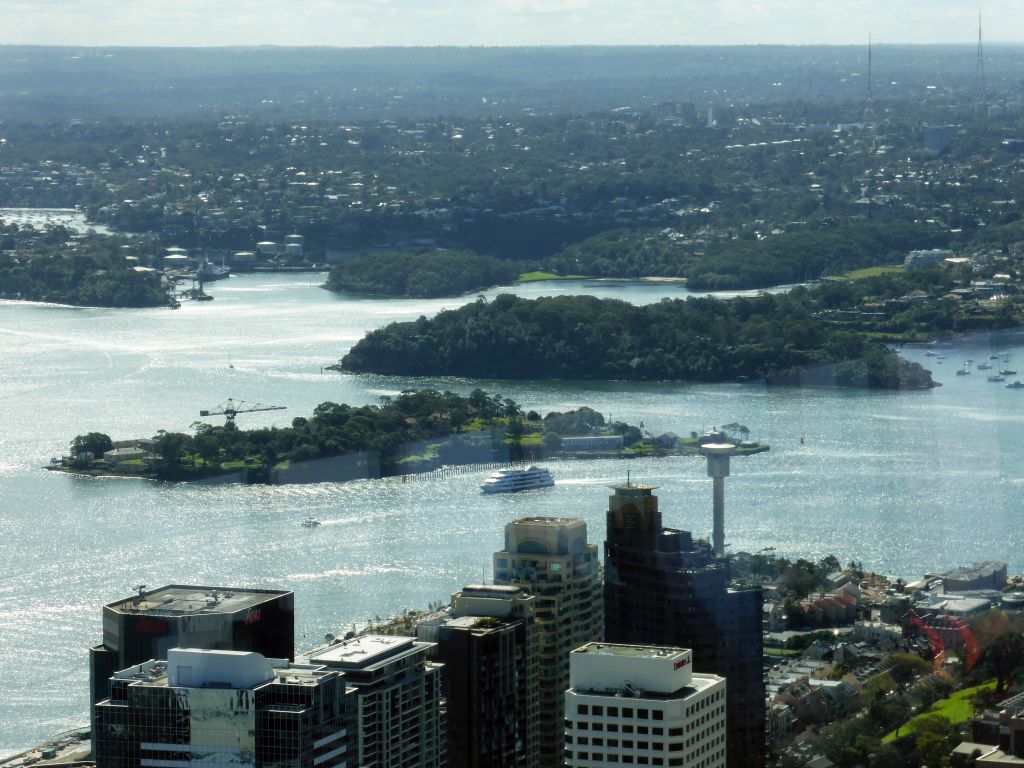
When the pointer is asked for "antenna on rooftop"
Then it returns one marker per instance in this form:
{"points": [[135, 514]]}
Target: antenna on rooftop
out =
{"points": [[141, 589]]}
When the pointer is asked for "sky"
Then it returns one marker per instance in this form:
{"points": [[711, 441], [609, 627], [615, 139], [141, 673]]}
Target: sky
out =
{"points": [[359, 23]]}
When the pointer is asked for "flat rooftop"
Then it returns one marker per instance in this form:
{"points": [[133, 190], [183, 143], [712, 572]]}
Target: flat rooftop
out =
{"points": [[365, 651], [551, 522], [182, 600], [636, 487], [154, 674], [698, 683], [635, 651]]}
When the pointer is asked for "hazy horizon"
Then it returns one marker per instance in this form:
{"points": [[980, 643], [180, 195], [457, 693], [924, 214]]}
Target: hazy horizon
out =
{"points": [[501, 23]]}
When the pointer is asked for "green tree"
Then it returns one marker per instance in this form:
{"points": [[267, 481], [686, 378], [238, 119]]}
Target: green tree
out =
{"points": [[170, 447], [95, 443], [1004, 657]]}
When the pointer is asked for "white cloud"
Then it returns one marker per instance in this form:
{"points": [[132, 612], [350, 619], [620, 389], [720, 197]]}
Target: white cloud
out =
{"points": [[500, 22]]}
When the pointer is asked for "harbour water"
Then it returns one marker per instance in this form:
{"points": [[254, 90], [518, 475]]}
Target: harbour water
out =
{"points": [[904, 482]]}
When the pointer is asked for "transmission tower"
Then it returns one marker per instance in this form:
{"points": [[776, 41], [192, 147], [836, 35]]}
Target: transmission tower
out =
{"points": [[869, 102], [979, 69]]}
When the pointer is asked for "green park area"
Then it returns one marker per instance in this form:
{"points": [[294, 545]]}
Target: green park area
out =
{"points": [[533, 277], [957, 708], [863, 274]]}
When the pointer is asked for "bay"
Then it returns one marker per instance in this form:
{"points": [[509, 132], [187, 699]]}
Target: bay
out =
{"points": [[45, 218], [905, 482]]}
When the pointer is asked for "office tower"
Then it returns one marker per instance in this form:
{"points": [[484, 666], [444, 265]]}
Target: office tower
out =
{"points": [[400, 719], [487, 644], [642, 705], [208, 707], [663, 588], [550, 558], [146, 626]]}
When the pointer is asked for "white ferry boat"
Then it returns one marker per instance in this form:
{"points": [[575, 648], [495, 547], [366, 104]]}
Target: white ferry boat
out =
{"points": [[511, 480]]}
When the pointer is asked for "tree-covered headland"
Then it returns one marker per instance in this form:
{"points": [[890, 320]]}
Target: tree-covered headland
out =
{"points": [[92, 272], [421, 274]]}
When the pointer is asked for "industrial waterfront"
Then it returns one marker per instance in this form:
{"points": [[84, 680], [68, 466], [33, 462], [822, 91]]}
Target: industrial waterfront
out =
{"points": [[905, 482]]}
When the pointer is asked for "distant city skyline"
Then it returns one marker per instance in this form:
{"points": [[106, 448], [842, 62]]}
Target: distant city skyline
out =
{"points": [[360, 23]]}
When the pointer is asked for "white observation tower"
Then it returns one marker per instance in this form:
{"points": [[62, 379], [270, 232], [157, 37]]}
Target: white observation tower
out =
{"points": [[718, 469]]}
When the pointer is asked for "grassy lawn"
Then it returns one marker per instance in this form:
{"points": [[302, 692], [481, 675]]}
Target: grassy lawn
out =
{"points": [[860, 274], [531, 277], [957, 709]]}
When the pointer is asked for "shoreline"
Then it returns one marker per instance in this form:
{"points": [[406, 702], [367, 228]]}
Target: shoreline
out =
{"points": [[221, 477]]}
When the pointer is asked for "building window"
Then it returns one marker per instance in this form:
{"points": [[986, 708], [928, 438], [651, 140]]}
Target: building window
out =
{"points": [[583, 709], [642, 714], [658, 714], [613, 711], [597, 711], [627, 711]]}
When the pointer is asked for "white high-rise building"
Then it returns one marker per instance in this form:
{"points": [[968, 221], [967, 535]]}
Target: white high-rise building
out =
{"points": [[550, 558], [642, 705]]}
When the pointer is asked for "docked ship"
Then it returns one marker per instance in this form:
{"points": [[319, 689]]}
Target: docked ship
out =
{"points": [[512, 480], [208, 272]]}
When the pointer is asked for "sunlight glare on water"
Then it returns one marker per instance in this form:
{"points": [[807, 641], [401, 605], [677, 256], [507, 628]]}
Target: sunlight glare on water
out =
{"points": [[904, 482]]}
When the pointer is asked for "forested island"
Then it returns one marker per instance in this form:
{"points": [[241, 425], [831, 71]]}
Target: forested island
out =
{"points": [[416, 431], [779, 338], [421, 274]]}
